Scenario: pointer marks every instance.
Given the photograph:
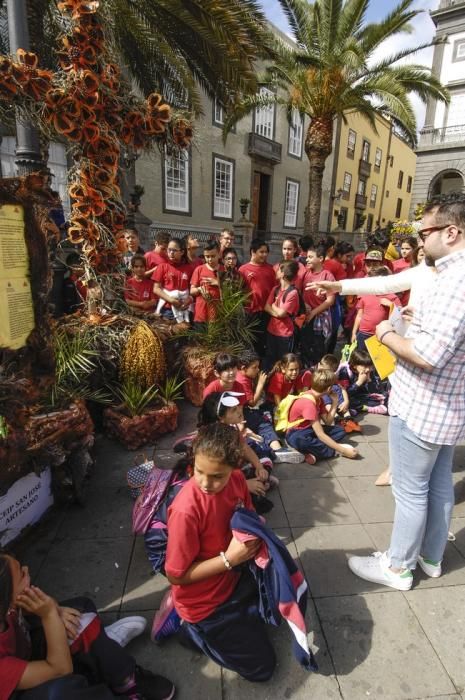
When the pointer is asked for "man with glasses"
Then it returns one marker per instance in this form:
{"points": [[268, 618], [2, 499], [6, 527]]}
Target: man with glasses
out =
{"points": [[427, 408]]}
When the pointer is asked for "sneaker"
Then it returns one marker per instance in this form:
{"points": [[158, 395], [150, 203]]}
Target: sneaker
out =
{"points": [[350, 426], [431, 568], [166, 620], [375, 568], [124, 630], [288, 456], [153, 687], [309, 458]]}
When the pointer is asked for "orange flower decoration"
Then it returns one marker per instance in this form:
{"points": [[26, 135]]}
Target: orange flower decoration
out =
{"points": [[89, 81], [77, 8], [28, 59], [53, 98], [182, 133], [87, 200], [157, 109], [90, 132], [153, 127], [74, 57]]}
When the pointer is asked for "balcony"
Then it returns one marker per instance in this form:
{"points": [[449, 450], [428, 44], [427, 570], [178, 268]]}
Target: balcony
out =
{"points": [[364, 168], [446, 136], [264, 148], [360, 201]]}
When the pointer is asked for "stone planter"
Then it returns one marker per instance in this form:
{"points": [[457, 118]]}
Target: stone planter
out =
{"points": [[198, 373], [135, 432]]}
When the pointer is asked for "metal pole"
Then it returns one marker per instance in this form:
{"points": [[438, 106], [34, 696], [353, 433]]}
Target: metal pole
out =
{"points": [[28, 158]]}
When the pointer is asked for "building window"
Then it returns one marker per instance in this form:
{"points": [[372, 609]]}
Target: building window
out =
{"points": [[373, 195], [362, 186], [378, 159], [409, 183], [218, 113], [366, 151], [346, 185], [291, 203], [400, 179], [296, 128], [342, 218], [223, 183], [398, 208], [458, 53], [351, 141], [177, 182], [369, 225], [264, 117]]}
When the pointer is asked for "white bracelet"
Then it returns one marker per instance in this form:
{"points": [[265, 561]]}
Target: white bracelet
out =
{"points": [[226, 561]]}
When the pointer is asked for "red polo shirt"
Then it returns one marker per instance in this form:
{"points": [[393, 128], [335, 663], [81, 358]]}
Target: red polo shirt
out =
{"points": [[260, 280]]}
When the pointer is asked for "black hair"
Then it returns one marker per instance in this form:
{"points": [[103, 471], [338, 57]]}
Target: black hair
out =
{"points": [[289, 268], [284, 362], [179, 242], [381, 239], [412, 241], [257, 243], [319, 248], [229, 251], [306, 242], [343, 247], [220, 442], [138, 258], [448, 209], [293, 240], [6, 586], [225, 361], [162, 238], [211, 410], [211, 245], [247, 358], [360, 357]]}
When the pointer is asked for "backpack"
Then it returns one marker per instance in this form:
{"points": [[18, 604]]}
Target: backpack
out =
{"points": [[281, 415], [298, 318], [153, 493]]}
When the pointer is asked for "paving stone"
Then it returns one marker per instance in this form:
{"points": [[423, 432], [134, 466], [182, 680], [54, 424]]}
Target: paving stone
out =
{"points": [[453, 562], [143, 590], [303, 471], [194, 675], [457, 526], [276, 517], [441, 613], [324, 551], [368, 463], [315, 502], [372, 503], [375, 428], [382, 449], [95, 568], [33, 548], [380, 650]]}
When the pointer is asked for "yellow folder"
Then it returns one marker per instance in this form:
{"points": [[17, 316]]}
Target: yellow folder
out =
{"points": [[383, 359]]}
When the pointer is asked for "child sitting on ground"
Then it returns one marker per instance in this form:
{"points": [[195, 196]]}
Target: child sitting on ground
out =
{"points": [[371, 310], [216, 600], [287, 377], [342, 416], [283, 306], [305, 431], [60, 639], [258, 419], [225, 369], [367, 394], [138, 292]]}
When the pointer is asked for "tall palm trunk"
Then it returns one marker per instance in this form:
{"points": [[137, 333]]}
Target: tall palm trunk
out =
{"points": [[318, 146]]}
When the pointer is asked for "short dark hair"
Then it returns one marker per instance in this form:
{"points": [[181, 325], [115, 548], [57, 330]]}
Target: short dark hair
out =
{"points": [[220, 442], [257, 243], [306, 242], [319, 248], [162, 238], [380, 238], [343, 247], [330, 361], [211, 245], [230, 251], [248, 357], [225, 361], [138, 258], [289, 268], [360, 357], [211, 410]]}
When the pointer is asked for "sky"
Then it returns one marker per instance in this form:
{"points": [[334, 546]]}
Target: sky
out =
{"points": [[423, 31]]}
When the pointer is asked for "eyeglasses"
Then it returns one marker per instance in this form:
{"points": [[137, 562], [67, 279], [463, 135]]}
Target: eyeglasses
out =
{"points": [[425, 232]]}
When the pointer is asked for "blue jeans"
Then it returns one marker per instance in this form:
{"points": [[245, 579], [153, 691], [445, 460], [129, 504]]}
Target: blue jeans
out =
{"points": [[424, 495], [306, 441]]}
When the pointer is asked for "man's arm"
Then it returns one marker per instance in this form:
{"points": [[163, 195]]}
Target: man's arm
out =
{"points": [[401, 347]]}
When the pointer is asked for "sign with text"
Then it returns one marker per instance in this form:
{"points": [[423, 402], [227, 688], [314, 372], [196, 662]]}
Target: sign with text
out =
{"points": [[24, 504]]}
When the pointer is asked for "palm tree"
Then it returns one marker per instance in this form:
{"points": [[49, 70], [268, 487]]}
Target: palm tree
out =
{"points": [[335, 68], [176, 47]]}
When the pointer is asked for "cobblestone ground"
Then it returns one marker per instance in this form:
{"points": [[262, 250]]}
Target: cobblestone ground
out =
{"points": [[370, 641]]}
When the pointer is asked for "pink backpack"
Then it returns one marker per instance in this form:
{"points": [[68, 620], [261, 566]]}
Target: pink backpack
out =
{"points": [[153, 493]]}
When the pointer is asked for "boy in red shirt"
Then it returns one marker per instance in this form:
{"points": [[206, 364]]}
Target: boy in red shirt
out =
{"points": [[138, 293], [283, 306], [260, 279], [171, 283], [318, 322], [205, 286], [371, 310], [216, 601], [157, 256], [306, 415]]}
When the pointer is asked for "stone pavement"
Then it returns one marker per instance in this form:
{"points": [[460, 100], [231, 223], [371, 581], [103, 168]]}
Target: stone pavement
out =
{"points": [[370, 641]]}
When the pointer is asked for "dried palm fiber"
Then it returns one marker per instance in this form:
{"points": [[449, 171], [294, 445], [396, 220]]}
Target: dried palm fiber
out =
{"points": [[143, 359]]}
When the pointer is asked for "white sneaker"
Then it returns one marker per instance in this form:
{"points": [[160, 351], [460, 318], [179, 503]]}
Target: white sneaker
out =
{"points": [[375, 568], [287, 455], [124, 630], [431, 568]]}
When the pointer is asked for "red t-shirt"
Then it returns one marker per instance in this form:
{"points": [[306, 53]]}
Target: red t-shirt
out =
{"points": [[401, 264], [216, 385], [283, 327], [139, 290], [281, 386], [205, 310], [154, 259], [336, 268], [308, 409], [297, 282], [311, 298], [171, 277], [196, 262], [373, 311], [247, 386], [260, 280], [199, 529], [15, 652]]}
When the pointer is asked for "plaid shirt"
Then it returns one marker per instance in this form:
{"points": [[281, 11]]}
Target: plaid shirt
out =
{"points": [[433, 403]]}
